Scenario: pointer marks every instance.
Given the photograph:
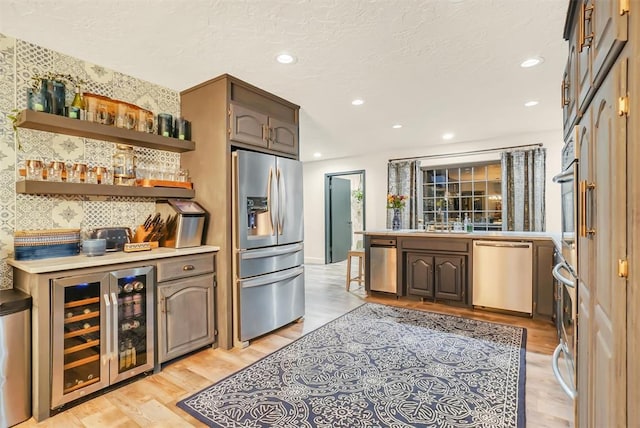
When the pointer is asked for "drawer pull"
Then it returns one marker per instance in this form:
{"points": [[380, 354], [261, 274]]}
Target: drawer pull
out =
{"points": [[188, 267]]}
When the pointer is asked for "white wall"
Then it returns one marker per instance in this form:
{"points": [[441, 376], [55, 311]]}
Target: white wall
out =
{"points": [[375, 166]]}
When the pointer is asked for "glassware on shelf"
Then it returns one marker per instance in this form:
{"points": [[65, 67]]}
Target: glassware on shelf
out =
{"points": [[165, 124], [124, 166]]}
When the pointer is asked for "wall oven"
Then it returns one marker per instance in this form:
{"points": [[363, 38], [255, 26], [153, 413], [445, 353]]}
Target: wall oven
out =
{"points": [[565, 272]]}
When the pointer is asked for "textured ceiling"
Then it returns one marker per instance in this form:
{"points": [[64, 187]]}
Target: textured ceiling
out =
{"points": [[433, 66]]}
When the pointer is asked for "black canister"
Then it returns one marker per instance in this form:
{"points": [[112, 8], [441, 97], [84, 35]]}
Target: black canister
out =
{"points": [[182, 129], [165, 124]]}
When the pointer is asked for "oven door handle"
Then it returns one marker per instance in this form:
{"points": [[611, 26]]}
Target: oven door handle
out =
{"points": [[571, 392], [559, 277], [566, 176]]}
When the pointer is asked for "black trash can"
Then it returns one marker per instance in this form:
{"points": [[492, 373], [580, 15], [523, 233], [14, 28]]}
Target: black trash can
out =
{"points": [[15, 357]]}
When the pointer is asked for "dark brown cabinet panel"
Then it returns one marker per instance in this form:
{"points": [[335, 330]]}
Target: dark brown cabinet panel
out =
{"points": [[437, 276], [247, 126], [449, 277], [419, 272], [544, 300], [283, 136]]}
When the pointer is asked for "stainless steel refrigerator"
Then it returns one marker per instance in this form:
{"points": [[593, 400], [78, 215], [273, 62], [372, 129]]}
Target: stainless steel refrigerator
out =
{"points": [[268, 234]]}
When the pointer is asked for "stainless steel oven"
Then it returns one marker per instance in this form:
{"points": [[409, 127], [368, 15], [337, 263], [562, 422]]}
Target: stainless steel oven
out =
{"points": [[568, 180], [566, 273]]}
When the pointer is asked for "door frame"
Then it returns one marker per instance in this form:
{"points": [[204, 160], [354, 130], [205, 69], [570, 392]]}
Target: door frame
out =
{"points": [[327, 206]]}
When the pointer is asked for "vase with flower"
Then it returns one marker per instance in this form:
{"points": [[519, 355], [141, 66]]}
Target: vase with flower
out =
{"points": [[395, 202]]}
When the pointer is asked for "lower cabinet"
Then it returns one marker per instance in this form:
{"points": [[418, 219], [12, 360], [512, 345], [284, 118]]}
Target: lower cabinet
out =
{"points": [[437, 276], [185, 305]]}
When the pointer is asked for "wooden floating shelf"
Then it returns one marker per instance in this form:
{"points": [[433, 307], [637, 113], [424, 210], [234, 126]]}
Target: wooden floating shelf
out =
{"points": [[57, 188], [81, 128]]}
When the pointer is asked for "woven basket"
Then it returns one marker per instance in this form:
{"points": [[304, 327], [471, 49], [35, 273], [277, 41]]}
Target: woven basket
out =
{"points": [[47, 243], [24, 238]]}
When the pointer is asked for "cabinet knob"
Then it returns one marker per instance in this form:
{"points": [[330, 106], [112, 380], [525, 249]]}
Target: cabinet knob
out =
{"points": [[188, 267]]}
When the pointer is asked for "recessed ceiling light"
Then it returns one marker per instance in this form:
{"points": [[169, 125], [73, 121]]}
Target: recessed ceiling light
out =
{"points": [[531, 62], [531, 103], [285, 58], [357, 102], [317, 155], [447, 136], [397, 126]]}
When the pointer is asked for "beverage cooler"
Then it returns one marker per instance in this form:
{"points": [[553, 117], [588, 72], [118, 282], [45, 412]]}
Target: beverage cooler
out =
{"points": [[102, 331]]}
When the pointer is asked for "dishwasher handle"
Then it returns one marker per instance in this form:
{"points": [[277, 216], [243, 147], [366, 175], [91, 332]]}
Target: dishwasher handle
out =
{"points": [[383, 243], [502, 244]]}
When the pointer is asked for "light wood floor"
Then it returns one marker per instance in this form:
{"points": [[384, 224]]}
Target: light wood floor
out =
{"points": [[150, 401]]}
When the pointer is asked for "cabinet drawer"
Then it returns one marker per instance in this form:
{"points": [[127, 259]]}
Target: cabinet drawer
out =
{"points": [[435, 244], [181, 267]]}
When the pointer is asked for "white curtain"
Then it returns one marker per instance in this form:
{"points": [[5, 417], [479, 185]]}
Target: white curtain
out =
{"points": [[403, 178], [523, 187]]}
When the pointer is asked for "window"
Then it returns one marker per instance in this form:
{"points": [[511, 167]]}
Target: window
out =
{"points": [[472, 191]]}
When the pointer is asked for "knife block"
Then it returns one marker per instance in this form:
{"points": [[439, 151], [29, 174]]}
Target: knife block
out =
{"points": [[140, 236]]}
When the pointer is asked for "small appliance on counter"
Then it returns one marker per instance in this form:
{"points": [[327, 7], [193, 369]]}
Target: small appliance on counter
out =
{"points": [[185, 222], [115, 237]]}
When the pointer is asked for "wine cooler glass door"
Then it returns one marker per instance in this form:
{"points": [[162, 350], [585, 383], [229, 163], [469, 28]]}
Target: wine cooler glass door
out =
{"points": [[81, 352], [133, 332]]}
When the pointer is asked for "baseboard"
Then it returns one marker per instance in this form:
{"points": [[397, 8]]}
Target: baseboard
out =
{"points": [[313, 261]]}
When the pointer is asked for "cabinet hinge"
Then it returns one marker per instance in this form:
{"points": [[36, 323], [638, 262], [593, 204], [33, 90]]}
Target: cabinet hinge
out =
{"points": [[215, 332], [623, 268], [624, 6], [623, 106]]}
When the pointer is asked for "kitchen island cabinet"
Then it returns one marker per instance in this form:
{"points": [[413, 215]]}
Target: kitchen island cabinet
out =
{"points": [[435, 268], [438, 266], [36, 277]]}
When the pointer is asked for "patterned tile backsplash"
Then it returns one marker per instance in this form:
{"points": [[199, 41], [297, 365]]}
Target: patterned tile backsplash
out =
{"points": [[19, 61]]}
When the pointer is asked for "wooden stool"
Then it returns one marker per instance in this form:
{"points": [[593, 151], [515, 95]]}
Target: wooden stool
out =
{"points": [[360, 277]]}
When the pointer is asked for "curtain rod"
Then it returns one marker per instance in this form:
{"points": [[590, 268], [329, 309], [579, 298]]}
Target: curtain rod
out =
{"points": [[471, 152]]}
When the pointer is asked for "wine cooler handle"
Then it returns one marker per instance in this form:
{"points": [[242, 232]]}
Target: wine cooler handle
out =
{"points": [[107, 355], [114, 331]]}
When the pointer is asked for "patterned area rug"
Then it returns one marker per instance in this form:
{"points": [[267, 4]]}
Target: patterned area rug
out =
{"points": [[379, 366]]}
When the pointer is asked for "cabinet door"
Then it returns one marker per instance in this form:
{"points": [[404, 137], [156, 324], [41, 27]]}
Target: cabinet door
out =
{"points": [[544, 297], [609, 224], [610, 32], [247, 126], [419, 274], [283, 136], [449, 277], [185, 316], [583, 73]]}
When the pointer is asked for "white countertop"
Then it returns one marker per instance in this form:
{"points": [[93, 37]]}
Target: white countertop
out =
{"points": [[530, 236], [111, 258]]}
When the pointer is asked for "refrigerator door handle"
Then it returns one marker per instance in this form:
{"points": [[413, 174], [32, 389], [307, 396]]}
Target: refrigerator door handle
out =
{"points": [[107, 355], [270, 252], [270, 199], [282, 198], [114, 332], [270, 279]]}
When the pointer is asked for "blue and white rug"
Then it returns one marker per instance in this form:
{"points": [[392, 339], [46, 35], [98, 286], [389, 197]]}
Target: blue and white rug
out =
{"points": [[379, 366]]}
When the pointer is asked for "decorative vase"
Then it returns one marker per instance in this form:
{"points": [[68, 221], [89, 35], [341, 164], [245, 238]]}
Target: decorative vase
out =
{"points": [[395, 222], [53, 92]]}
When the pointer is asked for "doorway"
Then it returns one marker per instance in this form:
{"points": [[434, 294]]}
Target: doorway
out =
{"points": [[344, 201]]}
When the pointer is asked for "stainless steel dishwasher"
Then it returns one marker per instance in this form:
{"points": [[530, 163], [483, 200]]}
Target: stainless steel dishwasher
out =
{"points": [[382, 266], [503, 275]]}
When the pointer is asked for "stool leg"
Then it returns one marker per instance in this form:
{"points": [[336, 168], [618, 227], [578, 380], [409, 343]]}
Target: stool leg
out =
{"points": [[348, 271]]}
